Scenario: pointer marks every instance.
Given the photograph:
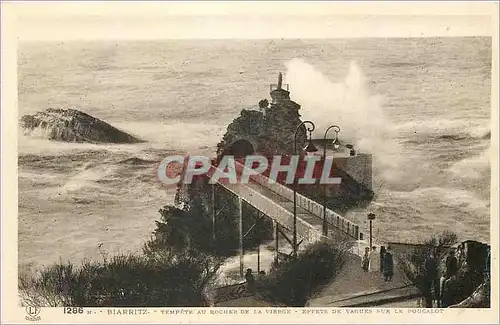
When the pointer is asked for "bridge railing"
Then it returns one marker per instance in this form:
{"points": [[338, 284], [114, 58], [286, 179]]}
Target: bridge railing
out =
{"points": [[267, 206], [342, 224]]}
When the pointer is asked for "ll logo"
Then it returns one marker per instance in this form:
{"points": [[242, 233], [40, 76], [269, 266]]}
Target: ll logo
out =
{"points": [[33, 312]]}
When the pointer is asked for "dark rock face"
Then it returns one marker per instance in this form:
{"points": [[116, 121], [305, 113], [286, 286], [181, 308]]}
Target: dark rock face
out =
{"points": [[479, 299], [71, 125], [267, 130], [473, 277]]}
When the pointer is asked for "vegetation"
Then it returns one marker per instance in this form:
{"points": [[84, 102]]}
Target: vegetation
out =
{"points": [[472, 278], [158, 278], [294, 281], [192, 227], [177, 264], [179, 230], [180, 262], [412, 264]]}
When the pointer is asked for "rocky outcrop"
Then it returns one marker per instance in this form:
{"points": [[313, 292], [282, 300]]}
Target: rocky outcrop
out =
{"points": [[473, 277], [71, 125], [268, 130], [479, 299]]}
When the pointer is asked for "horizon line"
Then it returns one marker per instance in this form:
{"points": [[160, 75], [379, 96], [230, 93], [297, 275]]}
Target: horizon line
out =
{"points": [[246, 39]]}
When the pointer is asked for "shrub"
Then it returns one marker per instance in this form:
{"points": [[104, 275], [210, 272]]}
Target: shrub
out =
{"points": [[191, 228], [293, 281], [44, 288], [412, 264], [156, 279]]}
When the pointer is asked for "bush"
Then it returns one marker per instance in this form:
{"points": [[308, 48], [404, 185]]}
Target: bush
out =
{"points": [[177, 230], [472, 277], [293, 281], [412, 264], [156, 279], [192, 228]]}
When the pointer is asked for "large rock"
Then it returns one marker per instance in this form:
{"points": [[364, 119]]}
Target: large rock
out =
{"points": [[479, 299], [268, 129], [74, 126], [473, 278]]}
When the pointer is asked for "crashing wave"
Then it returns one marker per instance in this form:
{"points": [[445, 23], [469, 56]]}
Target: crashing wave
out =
{"points": [[71, 125]]}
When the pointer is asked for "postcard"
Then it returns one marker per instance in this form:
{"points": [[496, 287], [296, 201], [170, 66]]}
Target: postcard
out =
{"points": [[250, 162]]}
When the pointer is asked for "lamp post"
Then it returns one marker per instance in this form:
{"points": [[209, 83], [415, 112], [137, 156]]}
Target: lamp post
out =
{"points": [[336, 145], [371, 217], [310, 147]]}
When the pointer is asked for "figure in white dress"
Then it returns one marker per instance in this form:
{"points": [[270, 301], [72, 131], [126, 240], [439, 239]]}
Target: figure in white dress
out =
{"points": [[374, 260]]}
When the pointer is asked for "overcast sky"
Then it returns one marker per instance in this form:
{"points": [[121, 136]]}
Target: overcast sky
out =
{"points": [[74, 21]]}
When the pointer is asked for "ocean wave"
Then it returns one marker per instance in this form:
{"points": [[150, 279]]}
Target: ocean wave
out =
{"points": [[475, 167], [427, 139], [368, 129], [176, 134], [136, 161], [402, 64], [86, 177], [445, 129], [463, 200]]}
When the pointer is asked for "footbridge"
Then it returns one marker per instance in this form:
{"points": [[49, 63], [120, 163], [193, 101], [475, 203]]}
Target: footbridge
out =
{"points": [[275, 201]]}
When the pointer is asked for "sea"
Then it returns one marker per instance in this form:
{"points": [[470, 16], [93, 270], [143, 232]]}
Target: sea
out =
{"points": [[420, 106]]}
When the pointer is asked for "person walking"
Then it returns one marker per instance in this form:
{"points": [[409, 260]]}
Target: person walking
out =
{"points": [[451, 264], [450, 288], [382, 252], [374, 258], [261, 275], [448, 281], [365, 260], [250, 280], [431, 282], [388, 265]]}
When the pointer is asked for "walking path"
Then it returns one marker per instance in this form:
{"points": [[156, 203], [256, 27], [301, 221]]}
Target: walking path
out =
{"points": [[353, 287]]}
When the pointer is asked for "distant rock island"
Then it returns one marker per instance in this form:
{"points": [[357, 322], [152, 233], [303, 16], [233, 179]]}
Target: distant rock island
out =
{"points": [[71, 125]]}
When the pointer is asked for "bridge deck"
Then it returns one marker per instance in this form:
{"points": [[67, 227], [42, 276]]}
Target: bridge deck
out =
{"points": [[302, 213], [276, 201], [278, 208]]}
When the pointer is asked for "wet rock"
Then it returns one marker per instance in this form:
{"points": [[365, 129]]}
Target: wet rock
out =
{"points": [[268, 130], [71, 125]]}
